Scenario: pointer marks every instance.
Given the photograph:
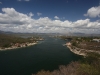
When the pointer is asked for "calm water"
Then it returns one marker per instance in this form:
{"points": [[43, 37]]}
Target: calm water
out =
{"points": [[47, 55]]}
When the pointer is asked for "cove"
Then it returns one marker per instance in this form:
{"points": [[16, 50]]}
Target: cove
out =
{"points": [[48, 54]]}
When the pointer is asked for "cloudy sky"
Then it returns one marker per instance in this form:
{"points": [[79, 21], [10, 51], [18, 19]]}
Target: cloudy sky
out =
{"points": [[50, 16]]}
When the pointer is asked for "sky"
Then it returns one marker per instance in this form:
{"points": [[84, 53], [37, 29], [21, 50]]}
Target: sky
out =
{"points": [[50, 16]]}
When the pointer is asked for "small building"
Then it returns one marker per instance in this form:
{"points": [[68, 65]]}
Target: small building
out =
{"points": [[96, 40]]}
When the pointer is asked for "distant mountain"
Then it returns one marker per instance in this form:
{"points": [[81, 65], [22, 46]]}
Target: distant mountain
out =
{"points": [[6, 32], [47, 34], [80, 34]]}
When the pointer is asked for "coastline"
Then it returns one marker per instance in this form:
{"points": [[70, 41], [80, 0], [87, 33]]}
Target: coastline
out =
{"points": [[79, 51], [15, 47]]}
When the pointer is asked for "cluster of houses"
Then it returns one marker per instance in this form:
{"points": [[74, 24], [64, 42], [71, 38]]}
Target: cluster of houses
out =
{"points": [[21, 45], [26, 44], [18, 45]]}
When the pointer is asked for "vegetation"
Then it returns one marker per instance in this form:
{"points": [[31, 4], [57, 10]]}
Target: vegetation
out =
{"points": [[66, 38], [86, 43], [89, 43], [87, 66], [90, 65], [8, 40]]}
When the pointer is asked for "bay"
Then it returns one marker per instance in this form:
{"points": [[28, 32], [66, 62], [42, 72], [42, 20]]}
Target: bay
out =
{"points": [[48, 54]]}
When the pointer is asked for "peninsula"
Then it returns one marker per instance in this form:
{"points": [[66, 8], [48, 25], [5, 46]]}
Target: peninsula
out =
{"points": [[83, 45], [8, 42]]}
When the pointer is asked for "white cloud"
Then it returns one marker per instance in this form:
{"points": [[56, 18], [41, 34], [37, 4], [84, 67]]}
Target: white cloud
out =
{"points": [[31, 14], [11, 20], [39, 14], [56, 17], [93, 12], [0, 2]]}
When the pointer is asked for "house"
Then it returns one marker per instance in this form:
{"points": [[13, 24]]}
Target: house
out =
{"points": [[96, 40]]}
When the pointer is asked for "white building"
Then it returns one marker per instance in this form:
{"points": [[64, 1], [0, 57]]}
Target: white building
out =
{"points": [[97, 40]]}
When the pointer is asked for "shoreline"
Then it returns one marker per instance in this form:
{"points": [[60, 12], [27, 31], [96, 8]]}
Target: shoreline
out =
{"points": [[15, 47], [79, 51]]}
